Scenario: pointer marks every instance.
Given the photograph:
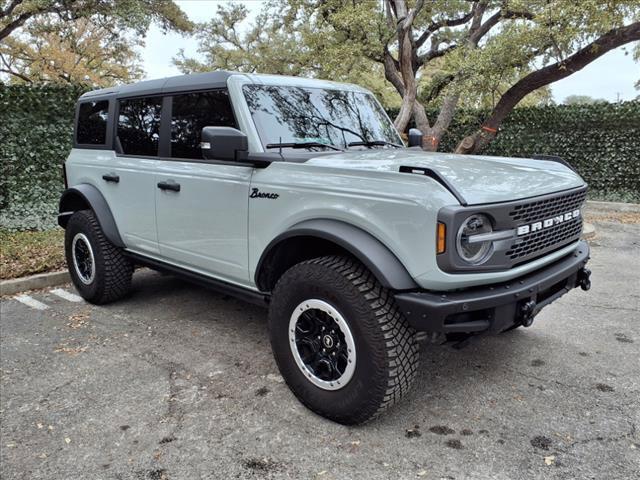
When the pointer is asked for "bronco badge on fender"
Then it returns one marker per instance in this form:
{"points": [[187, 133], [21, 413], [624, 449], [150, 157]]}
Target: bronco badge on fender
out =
{"points": [[255, 193]]}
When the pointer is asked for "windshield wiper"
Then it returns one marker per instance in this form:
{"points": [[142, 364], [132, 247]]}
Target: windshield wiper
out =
{"points": [[302, 145], [373, 143]]}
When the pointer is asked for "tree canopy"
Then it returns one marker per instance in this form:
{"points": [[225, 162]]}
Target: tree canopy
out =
{"points": [[80, 41], [440, 54]]}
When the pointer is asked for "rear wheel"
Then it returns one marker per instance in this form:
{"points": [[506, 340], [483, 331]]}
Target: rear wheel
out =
{"points": [[339, 340], [99, 270]]}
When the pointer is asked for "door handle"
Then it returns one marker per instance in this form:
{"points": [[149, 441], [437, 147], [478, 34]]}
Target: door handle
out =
{"points": [[171, 185], [111, 177]]}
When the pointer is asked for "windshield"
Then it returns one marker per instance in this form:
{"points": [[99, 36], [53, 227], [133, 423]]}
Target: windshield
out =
{"points": [[312, 116]]}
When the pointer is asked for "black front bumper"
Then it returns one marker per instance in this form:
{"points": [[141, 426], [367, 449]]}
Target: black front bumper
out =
{"points": [[498, 307]]}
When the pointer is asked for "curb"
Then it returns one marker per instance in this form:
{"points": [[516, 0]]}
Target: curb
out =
{"points": [[41, 280], [588, 231], [613, 206]]}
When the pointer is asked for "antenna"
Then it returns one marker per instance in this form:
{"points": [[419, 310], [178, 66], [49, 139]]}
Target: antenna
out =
{"points": [[280, 143]]}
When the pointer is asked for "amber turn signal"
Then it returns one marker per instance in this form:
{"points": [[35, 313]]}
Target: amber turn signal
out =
{"points": [[441, 240]]}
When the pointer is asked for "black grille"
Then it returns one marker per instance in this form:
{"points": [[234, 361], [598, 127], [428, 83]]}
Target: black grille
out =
{"points": [[556, 236], [534, 244], [534, 211]]}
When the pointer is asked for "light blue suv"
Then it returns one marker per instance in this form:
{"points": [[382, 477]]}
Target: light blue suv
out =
{"points": [[300, 195]]}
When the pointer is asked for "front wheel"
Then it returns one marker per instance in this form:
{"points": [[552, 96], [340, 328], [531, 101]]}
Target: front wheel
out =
{"points": [[339, 340], [99, 270]]}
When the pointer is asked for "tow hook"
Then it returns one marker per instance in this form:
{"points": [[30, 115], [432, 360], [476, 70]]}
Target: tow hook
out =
{"points": [[526, 313], [583, 279]]}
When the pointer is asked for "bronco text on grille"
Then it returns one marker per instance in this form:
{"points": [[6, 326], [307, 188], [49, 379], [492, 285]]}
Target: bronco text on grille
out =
{"points": [[546, 225]]}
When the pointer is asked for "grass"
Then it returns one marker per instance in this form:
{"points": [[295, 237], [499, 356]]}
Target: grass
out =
{"points": [[27, 253]]}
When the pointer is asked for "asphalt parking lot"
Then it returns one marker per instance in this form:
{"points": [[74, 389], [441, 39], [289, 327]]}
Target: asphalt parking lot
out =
{"points": [[177, 382]]}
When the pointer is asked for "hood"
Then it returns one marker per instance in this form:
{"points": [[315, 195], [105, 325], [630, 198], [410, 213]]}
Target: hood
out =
{"points": [[477, 178]]}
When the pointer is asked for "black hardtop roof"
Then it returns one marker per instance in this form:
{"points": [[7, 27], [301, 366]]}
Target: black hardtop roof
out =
{"points": [[194, 81]]}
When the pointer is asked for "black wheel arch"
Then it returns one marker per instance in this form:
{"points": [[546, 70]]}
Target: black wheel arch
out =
{"points": [[85, 196], [314, 238]]}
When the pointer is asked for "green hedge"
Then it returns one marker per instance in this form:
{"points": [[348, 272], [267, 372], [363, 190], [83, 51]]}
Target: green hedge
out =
{"points": [[36, 123]]}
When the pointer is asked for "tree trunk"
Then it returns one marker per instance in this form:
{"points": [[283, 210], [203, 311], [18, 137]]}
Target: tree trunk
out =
{"points": [[432, 137], [408, 80], [539, 78], [422, 121]]}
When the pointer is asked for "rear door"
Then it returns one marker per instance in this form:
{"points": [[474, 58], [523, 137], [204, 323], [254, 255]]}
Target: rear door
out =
{"points": [[123, 170], [202, 206], [132, 191]]}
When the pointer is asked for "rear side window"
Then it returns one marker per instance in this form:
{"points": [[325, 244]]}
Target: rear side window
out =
{"points": [[139, 125], [192, 112], [92, 123]]}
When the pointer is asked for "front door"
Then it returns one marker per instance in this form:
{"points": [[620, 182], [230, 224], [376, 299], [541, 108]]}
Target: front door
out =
{"points": [[202, 207]]}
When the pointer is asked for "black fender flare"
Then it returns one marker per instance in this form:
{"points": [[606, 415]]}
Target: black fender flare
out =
{"points": [[84, 196], [381, 261]]}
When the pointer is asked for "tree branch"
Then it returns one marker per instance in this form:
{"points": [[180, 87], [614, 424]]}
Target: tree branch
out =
{"points": [[431, 54], [492, 21], [10, 71], [16, 74], [392, 72], [437, 88], [435, 26], [10, 8], [11, 26], [546, 75]]}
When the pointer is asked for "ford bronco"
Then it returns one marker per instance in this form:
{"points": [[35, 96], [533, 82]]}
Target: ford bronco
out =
{"points": [[300, 195]]}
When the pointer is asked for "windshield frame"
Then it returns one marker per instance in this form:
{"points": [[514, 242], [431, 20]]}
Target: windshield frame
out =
{"points": [[260, 128]]}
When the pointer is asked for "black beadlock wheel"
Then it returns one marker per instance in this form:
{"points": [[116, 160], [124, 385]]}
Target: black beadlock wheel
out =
{"points": [[340, 342], [99, 270]]}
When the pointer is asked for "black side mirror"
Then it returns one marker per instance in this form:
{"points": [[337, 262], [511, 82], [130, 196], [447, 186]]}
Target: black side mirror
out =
{"points": [[224, 143], [415, 137]]}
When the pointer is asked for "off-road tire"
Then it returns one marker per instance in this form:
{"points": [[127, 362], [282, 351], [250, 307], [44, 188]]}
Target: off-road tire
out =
{"points": [[113, 271], [386, 346]]}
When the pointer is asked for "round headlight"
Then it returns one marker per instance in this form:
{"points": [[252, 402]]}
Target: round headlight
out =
{"points": [[473, 250]]}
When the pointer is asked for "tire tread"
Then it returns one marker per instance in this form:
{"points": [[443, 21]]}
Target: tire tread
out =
{"points": [[397, 354], [117, 269]]}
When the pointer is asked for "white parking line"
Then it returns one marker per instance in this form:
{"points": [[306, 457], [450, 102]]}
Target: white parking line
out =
{"points": [[72, 297], [31, 302]]}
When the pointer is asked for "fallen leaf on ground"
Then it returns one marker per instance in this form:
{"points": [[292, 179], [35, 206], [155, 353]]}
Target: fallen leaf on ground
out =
{"points": [[78, 320], [70, 350], [550, 460], [67, 440]]}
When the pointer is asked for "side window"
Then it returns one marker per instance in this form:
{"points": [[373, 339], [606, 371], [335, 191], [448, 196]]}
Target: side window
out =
{"points": [[92, 123], [139, 125], [192, 112]]}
